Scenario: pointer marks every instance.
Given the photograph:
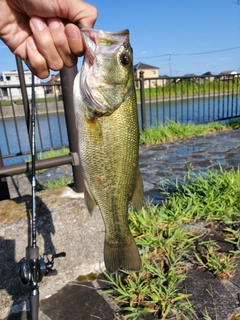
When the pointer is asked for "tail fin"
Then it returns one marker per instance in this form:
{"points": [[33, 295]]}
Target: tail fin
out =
{"points": [[123, 255]]}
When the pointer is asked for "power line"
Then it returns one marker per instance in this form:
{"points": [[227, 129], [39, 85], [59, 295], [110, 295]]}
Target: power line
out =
{"points": [[206, 52], [163, 55], [189, 54]]}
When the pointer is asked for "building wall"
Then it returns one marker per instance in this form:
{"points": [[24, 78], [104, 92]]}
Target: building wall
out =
{"points": [[12, 78], [55, 89], [150, 73]]}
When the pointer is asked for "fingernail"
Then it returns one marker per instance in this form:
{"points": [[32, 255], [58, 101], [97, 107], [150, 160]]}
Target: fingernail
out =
{"points": [[53, 23], [72, 32], [38, 23]]}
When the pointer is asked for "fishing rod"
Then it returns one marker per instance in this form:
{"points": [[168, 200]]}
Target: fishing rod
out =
{"points": [[33, 269]]}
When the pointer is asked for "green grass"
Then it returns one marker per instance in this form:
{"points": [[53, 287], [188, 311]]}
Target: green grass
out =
{"points": [[190, 88], [165, 237], [53, 183], [50, 154], [175, 131], [47, 155], [174, 90], [63, 181], [20, 102], [54, 153]]}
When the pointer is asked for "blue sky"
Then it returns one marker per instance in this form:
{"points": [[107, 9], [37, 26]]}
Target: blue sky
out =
{"points": [[176, 33]]}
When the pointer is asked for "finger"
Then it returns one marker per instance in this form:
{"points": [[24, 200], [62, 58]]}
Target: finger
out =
{"points": [[35, 61], [45, 43], [86, 15], [75, 41], [57, 30]]}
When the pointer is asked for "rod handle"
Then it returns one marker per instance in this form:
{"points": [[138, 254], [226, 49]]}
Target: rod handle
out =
{"points": [[34, 302]]}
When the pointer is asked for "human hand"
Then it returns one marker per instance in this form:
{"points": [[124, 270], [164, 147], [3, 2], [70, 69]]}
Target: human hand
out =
{"points": [[42, 32]]}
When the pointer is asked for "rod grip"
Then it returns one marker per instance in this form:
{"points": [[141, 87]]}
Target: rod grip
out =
{"points": [[34, 302]]}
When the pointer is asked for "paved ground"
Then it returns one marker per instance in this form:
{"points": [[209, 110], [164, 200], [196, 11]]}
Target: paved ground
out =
{"points": [[65, 297]]}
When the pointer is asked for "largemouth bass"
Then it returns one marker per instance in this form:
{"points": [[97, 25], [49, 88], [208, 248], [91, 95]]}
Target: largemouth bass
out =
{"points": [[107, 122]]}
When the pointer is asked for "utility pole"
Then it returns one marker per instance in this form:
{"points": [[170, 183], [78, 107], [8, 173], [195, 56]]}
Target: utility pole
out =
{"points": [[170, 63]]}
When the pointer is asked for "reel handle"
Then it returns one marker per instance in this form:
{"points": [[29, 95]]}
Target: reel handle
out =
{"points": [[58, 255]]}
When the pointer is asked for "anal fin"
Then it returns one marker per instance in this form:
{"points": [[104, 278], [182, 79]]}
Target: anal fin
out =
{"points": [[137, 196], [89, 201]]}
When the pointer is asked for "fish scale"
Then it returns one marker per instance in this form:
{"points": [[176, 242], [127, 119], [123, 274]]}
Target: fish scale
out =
{"points": [[109, 144]]}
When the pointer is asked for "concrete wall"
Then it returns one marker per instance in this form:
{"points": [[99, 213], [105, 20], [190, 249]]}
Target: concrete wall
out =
{"points": [[18, 110]]}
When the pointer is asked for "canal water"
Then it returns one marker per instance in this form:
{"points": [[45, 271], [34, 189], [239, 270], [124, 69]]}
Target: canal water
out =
{"points": [[194, 110], [51, 131]]}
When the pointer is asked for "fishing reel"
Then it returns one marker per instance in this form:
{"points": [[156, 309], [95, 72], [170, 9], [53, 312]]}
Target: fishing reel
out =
{"points": [[32, 270]]}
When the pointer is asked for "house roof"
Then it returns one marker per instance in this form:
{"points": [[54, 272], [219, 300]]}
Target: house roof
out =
{"points": [[228, 72], [190, 75], [141, 65], [13, 72]]}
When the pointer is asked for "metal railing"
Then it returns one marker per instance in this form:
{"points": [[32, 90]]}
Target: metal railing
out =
{"points": [[14, 111], [15, 130], [197, 99]]}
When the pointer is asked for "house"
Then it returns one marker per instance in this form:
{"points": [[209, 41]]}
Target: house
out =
{"points": [[208, 76], [228, 75], [11, 78], [192, 77], [149, 72], [53, 86]]}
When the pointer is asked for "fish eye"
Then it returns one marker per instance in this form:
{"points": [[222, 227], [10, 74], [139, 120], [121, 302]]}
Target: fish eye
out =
{"points": [[125, 59]]}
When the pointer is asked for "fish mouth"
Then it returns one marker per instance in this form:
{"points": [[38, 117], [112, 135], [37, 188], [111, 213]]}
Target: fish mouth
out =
{"points": [[94, 85], [111, 33], [98, 104], [91, 82], [104, 42]]}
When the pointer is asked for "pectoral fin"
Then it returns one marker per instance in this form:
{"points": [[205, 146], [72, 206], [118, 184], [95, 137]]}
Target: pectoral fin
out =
{"points": [[137, 196], [89, 201]]}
